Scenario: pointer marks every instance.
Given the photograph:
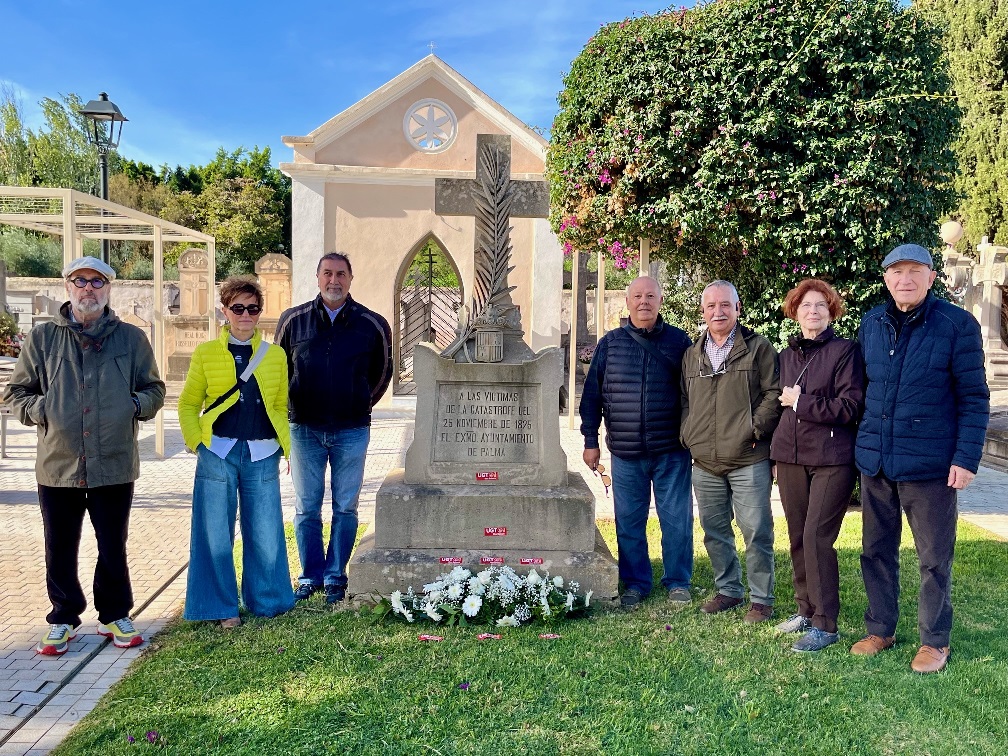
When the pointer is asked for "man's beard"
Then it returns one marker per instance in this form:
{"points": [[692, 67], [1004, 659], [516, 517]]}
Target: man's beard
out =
{"points": [[89, 306]]}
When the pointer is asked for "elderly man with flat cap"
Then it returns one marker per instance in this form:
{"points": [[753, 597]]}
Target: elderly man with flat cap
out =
{"points": [[86, 379], [926, 410]]}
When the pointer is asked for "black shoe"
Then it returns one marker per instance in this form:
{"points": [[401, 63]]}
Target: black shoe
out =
{"points": [[631, 599], [304, 591], [335, 593]]}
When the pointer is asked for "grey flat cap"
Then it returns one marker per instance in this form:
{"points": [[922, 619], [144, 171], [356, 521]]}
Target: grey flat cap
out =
{"points": [[92, 263], [908, 253]]}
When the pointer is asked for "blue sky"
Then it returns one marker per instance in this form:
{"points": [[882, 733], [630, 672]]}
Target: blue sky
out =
{"points": [[194, 76]]}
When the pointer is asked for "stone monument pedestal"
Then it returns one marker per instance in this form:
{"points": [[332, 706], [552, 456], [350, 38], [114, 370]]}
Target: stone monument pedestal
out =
{"points": [[485, 483], [422, 530]]}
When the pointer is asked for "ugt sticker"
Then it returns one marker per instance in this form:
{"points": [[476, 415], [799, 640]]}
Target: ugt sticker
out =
{"points": [[531, 560], [434, 638], [490, 475], [497, 531], [451, 560], [491, 560]]}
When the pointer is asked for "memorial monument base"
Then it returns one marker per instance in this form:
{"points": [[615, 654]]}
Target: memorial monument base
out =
{"points": [[422, 530]]}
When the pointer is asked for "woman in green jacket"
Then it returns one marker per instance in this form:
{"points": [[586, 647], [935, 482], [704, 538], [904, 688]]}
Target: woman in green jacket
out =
{"points": [[233, 414]]}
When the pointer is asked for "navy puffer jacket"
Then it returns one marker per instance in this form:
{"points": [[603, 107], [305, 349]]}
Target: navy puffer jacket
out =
{"points": [[636, 394], [927, 402]]}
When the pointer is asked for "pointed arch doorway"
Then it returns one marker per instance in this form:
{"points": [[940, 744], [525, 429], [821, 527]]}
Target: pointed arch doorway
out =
{"points": [[429, 294]]}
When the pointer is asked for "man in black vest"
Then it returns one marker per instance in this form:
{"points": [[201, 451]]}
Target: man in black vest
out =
{"points": [[634, 384]]}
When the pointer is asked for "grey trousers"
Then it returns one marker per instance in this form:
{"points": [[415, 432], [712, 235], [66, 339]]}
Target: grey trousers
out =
{"points": [[745, 495]]}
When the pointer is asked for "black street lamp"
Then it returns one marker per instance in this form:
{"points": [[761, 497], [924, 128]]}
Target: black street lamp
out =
{"points": [[100, 112]]}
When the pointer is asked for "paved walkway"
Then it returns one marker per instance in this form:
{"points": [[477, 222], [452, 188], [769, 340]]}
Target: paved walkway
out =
{"points": [[42, 698]]}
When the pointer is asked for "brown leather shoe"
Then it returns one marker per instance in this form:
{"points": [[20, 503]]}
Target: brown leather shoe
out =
{"points": [[720, 603], [872, 644], [758, 613], [930, 659]]}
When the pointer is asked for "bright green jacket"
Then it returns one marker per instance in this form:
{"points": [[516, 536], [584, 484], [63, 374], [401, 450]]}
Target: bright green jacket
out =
{"points": [[212, 373]]}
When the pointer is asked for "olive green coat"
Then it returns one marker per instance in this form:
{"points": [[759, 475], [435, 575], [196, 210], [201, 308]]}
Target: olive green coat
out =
{"points": [[77, 387]]}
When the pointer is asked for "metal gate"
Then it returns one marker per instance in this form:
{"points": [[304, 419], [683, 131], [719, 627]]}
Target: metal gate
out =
{"points": [[428, 311]]}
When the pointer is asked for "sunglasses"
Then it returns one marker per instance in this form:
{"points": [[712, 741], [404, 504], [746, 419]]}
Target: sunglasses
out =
{"points": [[239, 309], [606, 480], [80, 282]]}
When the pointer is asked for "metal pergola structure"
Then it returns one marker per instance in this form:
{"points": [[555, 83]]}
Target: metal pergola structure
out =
{"points": [[76, 216]]}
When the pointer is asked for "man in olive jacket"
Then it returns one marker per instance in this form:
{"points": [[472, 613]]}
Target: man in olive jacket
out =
{"points": [[730, 388], [86, 379]]}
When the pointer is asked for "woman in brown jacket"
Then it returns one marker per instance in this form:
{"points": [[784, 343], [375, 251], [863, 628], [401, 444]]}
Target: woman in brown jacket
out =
{"points": [[822, 380]]}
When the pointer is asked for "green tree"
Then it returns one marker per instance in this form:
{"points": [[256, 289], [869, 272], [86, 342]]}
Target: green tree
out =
{"points": [[760, 142], [976, 39]]}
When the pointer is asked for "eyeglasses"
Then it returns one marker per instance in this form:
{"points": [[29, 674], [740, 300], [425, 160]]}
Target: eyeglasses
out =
{"points": [[240, 309], [606, 480], [80, 282], [720, 371]]}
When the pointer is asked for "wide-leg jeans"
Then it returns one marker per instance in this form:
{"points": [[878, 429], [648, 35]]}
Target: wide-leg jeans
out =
{"points": [[344, 452], [221, 485], [633, 479], [745, 494]]}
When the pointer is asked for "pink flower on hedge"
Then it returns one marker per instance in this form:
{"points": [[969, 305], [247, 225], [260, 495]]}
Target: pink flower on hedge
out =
{"points": [[604, 177], [568, 249]]}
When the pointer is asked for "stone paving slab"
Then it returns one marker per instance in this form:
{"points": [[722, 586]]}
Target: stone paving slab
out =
{"points": [[68, 687]]}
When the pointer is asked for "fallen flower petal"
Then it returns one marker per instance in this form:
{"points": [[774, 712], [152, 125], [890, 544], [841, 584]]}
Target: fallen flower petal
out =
{"points": [[130, 739], [152, 736], [463, 686]]}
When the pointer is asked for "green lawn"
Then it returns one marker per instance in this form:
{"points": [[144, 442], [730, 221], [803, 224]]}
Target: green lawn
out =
{"points": [[656, 681]]}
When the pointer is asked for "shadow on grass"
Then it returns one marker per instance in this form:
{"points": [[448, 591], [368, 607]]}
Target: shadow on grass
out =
{"points": [[658, 680]]}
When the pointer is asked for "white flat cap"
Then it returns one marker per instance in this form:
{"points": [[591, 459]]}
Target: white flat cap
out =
{"points": [[92, 263]]}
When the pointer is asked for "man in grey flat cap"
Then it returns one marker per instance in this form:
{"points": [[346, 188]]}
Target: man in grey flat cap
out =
{"points": [[919, 442], [86, 379]]}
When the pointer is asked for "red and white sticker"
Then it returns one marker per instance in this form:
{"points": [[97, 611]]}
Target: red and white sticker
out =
{"points": [[430, 637], [491, 560], [488, 636], [500, 530], [548, 636], [451, 560], [490, 475], [531, 560]]}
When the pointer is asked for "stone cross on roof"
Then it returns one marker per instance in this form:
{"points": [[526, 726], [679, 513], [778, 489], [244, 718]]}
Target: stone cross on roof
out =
{"points": [[491, 319]]}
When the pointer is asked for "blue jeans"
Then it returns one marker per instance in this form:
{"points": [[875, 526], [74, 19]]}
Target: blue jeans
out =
{"points": [[212, 586], [745, 494], [632, 481], [344, 453]]}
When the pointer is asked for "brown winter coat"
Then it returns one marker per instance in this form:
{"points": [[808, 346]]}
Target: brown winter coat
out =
{"points": [[822, 429]]}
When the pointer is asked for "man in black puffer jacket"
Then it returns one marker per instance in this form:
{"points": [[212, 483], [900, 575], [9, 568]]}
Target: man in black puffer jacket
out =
{"points": [[633, 383]]}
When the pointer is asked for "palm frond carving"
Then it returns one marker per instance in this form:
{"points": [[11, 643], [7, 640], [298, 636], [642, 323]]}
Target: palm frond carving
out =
{"points": [[491, 303]]}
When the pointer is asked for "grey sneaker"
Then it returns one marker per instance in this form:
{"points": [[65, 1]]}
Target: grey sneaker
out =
{"points": [[796, 623], [680, 596], [815, 640], [631, 599]]}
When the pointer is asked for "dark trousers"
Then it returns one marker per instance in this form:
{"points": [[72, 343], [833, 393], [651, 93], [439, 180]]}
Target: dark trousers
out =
{"points": [[930, 507], [815, 500], [62, 519]]}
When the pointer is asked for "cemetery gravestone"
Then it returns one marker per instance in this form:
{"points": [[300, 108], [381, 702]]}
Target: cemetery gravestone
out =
{"points": [[486, 480], [188, 329]]}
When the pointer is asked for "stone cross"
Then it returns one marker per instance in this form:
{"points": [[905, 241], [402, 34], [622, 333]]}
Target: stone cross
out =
{"points": [[991, 273], [491, 320]]}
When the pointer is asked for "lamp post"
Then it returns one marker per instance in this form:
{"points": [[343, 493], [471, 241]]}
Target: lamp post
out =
{"points": [[101, 112]]}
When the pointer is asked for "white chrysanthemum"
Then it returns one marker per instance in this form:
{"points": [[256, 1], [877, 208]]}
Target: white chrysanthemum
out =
{"points": [[546, 611], [408, 615], [432, 612], [588, 598], [459, 574], [485, 576], [437, 585], [558, 581], [434, 597], [455, 591], [476, 588], [570, 600], [396, 600], [507, 621], [533, 577], [471, 606]]}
